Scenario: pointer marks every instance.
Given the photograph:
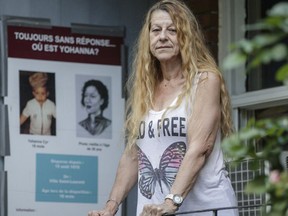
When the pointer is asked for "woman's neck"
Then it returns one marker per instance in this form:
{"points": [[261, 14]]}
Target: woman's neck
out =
{"points": [[93, 115], [171, 70], [171, 74]]}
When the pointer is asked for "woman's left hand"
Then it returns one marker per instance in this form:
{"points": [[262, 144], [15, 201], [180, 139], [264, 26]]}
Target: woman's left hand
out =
{"points": [[158, 210]]}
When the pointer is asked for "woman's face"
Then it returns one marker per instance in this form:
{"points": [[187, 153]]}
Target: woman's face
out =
{"points": [[163, 37], [92, 100]]}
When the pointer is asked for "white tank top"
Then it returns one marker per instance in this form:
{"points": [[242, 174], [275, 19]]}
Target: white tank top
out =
{"points": [[160, 153]]}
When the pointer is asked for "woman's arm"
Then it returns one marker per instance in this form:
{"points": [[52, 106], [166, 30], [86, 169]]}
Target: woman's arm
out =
{"points": [[126, 177], [202, 131]]}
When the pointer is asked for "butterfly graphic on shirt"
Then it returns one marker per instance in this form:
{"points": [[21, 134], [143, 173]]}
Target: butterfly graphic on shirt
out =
{"points": [[168, 167]]}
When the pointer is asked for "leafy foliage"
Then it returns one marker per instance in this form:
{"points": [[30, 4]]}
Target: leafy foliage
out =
{"points": [[271, 44]]}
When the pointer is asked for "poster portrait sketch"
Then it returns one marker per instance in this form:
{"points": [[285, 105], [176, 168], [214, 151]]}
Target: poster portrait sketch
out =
{"points": [[94, 100]]}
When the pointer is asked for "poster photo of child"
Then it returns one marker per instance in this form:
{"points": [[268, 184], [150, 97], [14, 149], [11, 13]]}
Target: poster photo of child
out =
{"points": [[37, 103]]}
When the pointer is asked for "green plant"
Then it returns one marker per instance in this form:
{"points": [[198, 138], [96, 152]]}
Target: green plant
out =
{"points": [[268, 45]]}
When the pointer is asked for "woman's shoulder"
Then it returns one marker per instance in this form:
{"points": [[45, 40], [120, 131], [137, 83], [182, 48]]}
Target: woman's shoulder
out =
{"points": [[84, 122], [208, 74], [213, 78]]}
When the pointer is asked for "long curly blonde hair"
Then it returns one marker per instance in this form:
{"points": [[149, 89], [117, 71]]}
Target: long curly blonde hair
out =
{"points": [[146, 68]]}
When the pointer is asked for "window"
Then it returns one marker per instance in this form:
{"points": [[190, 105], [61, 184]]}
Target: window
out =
{"points": [[264, 76]]}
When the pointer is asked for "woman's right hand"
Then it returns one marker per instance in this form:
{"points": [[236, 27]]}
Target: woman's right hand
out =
{"points": [[110, 209], [101, 213]]}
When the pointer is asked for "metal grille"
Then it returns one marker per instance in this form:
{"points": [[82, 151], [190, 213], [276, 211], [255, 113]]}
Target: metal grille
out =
{"points": [[240, 175]]}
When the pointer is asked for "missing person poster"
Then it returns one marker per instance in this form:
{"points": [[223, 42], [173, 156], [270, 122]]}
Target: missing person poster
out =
{"points": [[66, 115]]}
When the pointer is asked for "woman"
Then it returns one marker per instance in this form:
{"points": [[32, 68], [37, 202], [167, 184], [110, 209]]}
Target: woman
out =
{"points": [[177, 111], [95, 101]]}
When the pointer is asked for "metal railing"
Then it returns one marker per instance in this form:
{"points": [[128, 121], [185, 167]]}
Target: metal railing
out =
{"points": [[215, 211]]}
